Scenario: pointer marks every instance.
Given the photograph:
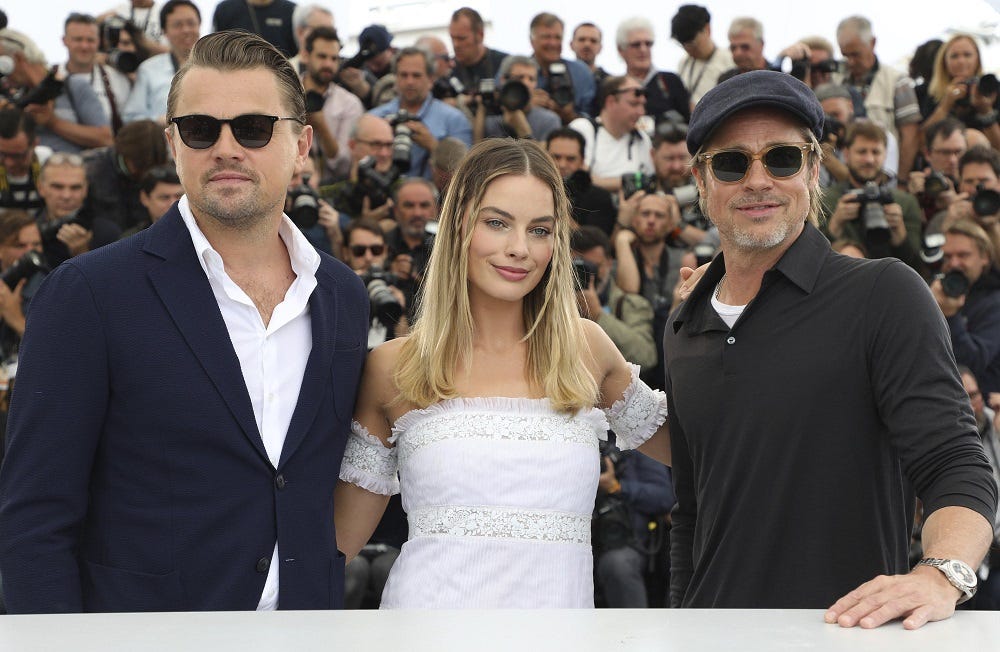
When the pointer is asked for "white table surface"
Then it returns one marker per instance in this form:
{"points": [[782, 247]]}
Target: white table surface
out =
{"points": [[604, 630]]}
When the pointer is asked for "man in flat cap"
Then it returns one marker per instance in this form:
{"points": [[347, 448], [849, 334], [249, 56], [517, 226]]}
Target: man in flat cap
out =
{"points": [[811, 396]]}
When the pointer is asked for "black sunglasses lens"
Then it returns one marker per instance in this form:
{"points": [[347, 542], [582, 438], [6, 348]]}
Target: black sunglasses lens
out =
{"points": [[730, 166], [199, 131], [359, 250], [783, 161], [252, 131]]}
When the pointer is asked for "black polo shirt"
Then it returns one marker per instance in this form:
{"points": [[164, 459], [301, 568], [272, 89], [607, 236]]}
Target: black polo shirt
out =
{"points": [[800, 435]]}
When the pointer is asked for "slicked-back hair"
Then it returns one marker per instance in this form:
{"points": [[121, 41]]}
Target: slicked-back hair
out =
{"points": [[231, 51]]}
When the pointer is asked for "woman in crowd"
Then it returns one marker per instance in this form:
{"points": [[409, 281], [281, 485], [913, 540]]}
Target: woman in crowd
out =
{"points": [[491, 405], [956, 90]]}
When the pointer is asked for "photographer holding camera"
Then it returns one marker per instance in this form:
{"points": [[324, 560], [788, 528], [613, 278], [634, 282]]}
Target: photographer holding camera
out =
{"points": [[510, 110], [67, 227], [627, 318], [968, 293], [673, 177], [20, 160], [416, 116], [614, 144], [330, 109], [634, 497], [366, 253], [977, 199], [590, 205], [81, 36], [565, 87], [368, 189], [935, 184], [19, 238], [865, 209], [67, 112]]}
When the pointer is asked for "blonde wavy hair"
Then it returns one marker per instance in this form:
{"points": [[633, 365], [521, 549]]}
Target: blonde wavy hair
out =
{"points": [[440, 343], [940, 78]]}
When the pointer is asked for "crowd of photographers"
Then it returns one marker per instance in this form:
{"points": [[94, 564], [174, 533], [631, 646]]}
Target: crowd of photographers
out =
{"points": [[911, 170]]}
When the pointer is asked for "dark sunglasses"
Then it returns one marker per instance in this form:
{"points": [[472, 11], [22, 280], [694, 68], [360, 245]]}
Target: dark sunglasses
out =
{"points": [[250, 130], [781, 161], [359, 250]]}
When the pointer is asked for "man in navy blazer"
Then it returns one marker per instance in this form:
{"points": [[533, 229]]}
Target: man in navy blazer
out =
{"points": [[184, 396]]}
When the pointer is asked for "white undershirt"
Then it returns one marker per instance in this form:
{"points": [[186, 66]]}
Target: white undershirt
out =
{"points": [[273, 357], [728, 313]]}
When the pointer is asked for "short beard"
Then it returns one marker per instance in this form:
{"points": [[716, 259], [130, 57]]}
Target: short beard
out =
{"points": [[241, 216]]}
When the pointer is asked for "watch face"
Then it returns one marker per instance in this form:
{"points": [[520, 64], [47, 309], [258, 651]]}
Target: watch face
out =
{"points": [[962, 573]]}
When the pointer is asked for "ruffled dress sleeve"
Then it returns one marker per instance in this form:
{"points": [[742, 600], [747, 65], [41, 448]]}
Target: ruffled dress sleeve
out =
{"points": [[368, 463], [638, 413]]}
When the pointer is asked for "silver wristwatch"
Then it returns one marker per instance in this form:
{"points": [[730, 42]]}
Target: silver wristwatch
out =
{"points": [[960, 574]]}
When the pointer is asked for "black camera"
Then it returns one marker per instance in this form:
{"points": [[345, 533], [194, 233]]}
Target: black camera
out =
{"points": [[402, 138], [384, 305], [798, 68], [985, 202], [375, 185], [585, 272], [954, 284], [50, 230], [560, 84], [633, 182], [936, 183], [302, 204], [47, 90], [833, 130], [24, 267], [577, 183], [985, 85], [513, 96], [871, 199], [447, 87], [111, 34], [612, 519], [314, 101], [366, 51]]}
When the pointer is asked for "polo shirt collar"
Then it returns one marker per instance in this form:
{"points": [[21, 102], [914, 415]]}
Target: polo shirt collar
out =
{"points": [[801, 264]]}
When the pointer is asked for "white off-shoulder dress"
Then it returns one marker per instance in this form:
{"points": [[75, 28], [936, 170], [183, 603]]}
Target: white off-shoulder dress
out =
{"points": [[498, 494]]}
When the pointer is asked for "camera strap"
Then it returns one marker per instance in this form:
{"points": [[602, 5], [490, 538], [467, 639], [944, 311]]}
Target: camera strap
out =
{"points": [[131, 18], [116, 118]]}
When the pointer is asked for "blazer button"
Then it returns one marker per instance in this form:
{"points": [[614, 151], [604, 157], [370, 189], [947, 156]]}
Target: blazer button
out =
{"points": [[279, 481], [263, 564]]}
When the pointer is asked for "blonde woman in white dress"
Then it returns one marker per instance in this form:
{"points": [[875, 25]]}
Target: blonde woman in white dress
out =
{"points": [[493, 407]]}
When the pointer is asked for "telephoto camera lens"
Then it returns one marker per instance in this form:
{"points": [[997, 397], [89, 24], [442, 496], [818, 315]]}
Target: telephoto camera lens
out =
{"points": [[986, 202], [954, 284], [24, 267]]}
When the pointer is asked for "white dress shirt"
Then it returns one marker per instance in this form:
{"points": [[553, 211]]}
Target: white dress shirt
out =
{"points": [[272, 357]]}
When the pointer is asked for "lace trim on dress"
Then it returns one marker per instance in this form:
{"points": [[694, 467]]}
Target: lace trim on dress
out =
{"points": [[500, 523], [368, 463], [497, 418], [638, 413]]}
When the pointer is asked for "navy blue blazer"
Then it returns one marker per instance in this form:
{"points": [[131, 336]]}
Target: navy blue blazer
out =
{"points": [[135, 477]]}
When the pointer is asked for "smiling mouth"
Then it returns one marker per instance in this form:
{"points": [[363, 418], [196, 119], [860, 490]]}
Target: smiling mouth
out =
{"points": [[511, 273]]}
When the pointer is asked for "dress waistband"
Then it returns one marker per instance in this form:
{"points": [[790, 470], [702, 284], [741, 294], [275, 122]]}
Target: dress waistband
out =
{"points": [[500, 523]]}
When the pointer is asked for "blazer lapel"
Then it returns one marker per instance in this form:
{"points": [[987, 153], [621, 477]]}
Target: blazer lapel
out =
{"points": [[181, 284], [316, 379]]}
